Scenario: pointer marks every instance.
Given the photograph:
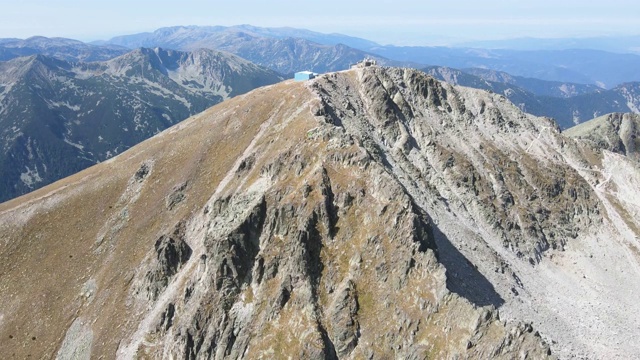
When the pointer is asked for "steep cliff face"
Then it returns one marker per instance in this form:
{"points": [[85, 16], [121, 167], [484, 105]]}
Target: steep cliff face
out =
{"points": [[373, 213]]}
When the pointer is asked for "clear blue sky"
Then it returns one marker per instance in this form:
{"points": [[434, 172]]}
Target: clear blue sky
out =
{"points": [[399, 21]]}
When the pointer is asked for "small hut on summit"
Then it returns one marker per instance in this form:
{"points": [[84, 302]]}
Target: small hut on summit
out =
{"points": [[364, 63], [304, 75]]}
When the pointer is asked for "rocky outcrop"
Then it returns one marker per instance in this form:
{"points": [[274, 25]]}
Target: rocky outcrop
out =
{"points": [[618, 133], [305, 279], [167, 258], [343, 315], [77, 342]]}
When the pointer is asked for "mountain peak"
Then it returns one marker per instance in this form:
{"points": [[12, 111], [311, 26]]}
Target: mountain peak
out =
{"points": [[293, 219], [259, 219]]}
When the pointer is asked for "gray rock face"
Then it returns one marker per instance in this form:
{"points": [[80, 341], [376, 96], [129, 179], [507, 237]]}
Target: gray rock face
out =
{"points": [[167, 258], [77, 342], [401, 107], [504, 188], [343, 315]]}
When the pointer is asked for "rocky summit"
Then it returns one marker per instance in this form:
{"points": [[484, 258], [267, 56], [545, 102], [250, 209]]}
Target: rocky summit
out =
{"points": [[372, 213]]}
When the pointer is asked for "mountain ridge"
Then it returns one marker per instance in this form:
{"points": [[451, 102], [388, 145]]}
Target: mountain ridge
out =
{"points": [[60, 117], [61, 48], [617, 132], [280, 32], [283, 50], [569, 104], [585, 66], [275, 260]]}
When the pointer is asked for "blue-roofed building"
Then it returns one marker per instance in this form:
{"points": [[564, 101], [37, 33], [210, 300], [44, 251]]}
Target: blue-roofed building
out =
{"points": [[304, 75]]}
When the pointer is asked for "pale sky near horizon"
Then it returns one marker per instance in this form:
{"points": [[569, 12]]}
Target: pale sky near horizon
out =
{"points": [[401, 22]]}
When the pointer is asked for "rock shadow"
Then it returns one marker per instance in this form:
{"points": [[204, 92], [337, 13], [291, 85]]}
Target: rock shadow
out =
{"points": [[462, 276]]}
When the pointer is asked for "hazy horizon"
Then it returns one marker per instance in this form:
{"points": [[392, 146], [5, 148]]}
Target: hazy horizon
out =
{"points": [[385, 22]]}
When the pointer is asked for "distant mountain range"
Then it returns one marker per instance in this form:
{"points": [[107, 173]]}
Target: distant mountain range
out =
{"points": [[622, 98], [61, 48], [58, 117], [568, 103], [579, 66], [617, 44], [183, 35], [536, 86], [286, 50]]}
